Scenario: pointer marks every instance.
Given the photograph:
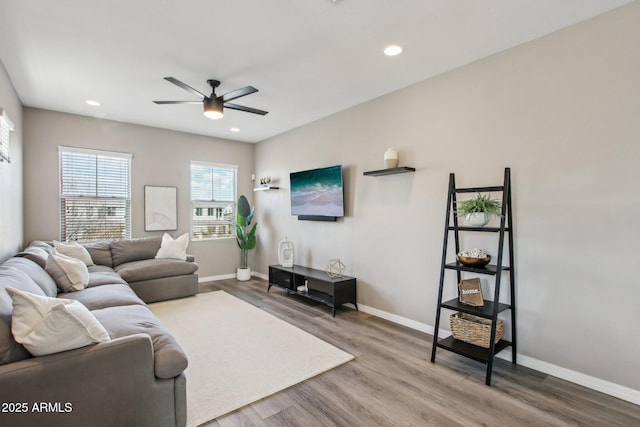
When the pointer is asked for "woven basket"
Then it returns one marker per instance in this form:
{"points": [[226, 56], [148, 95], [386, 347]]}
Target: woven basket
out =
{"points": [[472, 329]]}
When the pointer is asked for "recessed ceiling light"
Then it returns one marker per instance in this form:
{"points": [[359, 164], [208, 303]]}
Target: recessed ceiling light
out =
{"points": [[92, 103], [235, 129], [393, 50]]}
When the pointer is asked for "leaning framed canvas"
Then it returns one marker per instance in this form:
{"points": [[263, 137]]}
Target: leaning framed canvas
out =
{"points": [[470, 292], [160, 208]]}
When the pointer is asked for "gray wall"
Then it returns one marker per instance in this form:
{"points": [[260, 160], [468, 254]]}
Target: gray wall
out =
{"points": [[563, 112], [11, 173], [160, 157]]}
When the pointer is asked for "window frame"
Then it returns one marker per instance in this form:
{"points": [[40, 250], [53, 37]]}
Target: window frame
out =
{"points": [[66, 231], [6, 127], [200, 208]]}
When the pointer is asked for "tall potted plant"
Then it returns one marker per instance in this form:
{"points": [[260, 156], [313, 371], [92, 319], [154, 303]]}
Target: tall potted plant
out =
{"points": [[245, 236]]}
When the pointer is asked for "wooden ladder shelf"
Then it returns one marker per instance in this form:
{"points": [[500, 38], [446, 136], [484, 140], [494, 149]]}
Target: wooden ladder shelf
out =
{"points": [[492, 307]]}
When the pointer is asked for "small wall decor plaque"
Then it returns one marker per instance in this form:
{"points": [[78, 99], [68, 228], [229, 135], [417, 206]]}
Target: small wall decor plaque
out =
{"points": [[470, 292]]}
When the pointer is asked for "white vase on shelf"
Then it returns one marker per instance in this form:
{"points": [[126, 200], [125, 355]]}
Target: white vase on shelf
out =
{"points": [[390, 158]]}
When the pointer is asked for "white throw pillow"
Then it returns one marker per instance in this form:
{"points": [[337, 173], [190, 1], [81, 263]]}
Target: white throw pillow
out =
{"points": [[74, 250], [70, 274], [46, 325], [176, 249]]}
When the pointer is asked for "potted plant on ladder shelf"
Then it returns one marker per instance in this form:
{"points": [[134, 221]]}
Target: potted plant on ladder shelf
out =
{"points": [[245, 236], [478, 211]]}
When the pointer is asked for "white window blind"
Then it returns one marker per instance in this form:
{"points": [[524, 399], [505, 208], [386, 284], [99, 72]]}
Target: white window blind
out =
{"points": [[95, 196], [5, 135], [213, 206]]}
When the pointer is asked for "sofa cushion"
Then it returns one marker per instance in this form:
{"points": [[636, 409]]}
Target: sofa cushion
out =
{"points": [[100, 252], [42, 244], [100, 297], [173, 248], [169, 359], [148, 269], [74, 250], [128, 250], [35, 272], [70, 274], [102, 275], [50, 325], [36, 254], [10, 350]]}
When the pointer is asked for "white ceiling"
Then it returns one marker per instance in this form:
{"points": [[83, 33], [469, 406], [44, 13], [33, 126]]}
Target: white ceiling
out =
{"points": [[308, 58]]}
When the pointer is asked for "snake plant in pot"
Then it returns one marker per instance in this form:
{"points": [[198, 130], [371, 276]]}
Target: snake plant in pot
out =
{"points": [[478, 211], [245, 236]]}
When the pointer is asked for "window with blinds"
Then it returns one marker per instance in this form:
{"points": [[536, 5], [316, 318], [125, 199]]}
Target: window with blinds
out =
{"points": [[95, 196], [213, 206], [5, 135]]}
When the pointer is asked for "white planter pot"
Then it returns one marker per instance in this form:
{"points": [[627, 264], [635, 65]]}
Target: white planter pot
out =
{"points": [[477, 219], [243, 274]]}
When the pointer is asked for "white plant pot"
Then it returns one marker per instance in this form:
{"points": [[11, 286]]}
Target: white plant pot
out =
{"points": [[243, 274], [477, 219]]}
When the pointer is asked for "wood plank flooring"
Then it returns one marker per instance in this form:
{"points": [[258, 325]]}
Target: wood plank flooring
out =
{"points": [[392, 382]]}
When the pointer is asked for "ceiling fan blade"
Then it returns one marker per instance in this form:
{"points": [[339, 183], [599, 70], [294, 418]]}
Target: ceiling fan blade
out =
{"points": [[243, 108], [185, 86], [235, 94], [178, 102]]}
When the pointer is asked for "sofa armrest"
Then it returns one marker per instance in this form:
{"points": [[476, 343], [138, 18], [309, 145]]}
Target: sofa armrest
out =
{"points": [[110, 383]]}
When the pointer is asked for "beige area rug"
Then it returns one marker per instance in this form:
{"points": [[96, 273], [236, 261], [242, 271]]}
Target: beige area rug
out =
{"points": [[239, 353]]}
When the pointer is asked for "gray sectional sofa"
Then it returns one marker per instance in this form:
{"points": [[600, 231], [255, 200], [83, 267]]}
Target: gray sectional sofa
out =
{"points": [[134, 379]]}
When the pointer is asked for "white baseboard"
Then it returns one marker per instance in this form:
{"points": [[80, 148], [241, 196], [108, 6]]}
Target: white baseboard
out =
{"points": [[229, 276], [607, 387], [214, 278], [260, 275]]}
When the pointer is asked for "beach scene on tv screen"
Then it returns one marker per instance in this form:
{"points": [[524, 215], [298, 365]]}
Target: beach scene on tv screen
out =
{"points": [[317, 192]]}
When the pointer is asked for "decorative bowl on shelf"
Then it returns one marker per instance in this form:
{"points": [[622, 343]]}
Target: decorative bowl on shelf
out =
{"points": [[474, 258]]}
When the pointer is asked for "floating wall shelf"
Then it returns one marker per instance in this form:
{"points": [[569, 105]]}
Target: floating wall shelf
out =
{"points": [[266, 188], [390, 171]]}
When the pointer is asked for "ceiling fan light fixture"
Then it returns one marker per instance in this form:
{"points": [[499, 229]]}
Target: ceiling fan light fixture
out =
{"points": [[213, 108]]}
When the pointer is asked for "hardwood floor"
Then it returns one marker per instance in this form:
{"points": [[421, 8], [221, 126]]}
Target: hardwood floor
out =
{"points": [[391, 381]]}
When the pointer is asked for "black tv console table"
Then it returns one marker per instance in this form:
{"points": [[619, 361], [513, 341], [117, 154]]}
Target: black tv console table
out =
{"points": [[320, 287]]}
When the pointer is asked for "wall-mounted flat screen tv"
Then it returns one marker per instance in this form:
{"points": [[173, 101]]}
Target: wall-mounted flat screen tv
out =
{"points": [[317, 194]]}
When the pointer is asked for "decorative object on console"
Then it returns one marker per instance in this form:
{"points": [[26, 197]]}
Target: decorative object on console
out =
{"points": [[470, 292], [245, 236], [285, 253], [390, 158], [335, 268], [478, 211], [474, 258]]}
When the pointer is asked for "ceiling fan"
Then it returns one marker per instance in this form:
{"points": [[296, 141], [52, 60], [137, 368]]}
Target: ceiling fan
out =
{"points": [[213, 104]]}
